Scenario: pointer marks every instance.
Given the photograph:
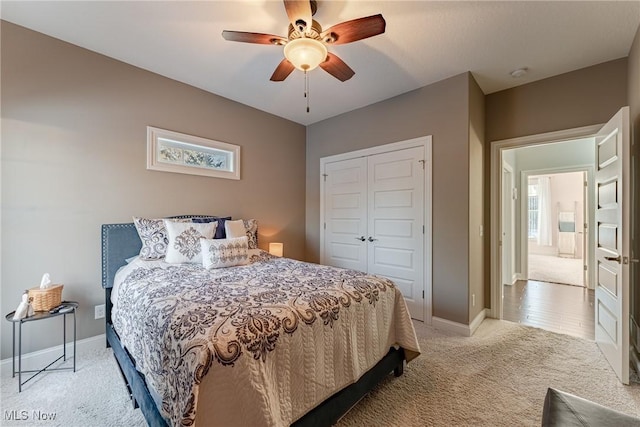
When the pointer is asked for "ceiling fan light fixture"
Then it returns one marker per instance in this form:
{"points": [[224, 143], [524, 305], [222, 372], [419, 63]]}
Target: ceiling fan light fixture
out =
{"points": [[305, 53]]}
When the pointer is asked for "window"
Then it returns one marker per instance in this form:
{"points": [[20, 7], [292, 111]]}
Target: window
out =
{"points": [[532, 204]]}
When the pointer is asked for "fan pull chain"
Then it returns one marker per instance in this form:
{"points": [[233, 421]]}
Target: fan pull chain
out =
{"points": [[306, 89]]}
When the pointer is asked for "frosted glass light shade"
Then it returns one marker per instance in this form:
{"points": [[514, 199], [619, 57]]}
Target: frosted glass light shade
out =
{"points": [[305, 54], [276, 248]]}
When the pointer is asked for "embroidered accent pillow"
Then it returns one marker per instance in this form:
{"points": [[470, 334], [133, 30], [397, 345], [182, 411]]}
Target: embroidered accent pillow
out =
{"points": [[184, 240], [218, 253], [153, 235], [242, 227]]}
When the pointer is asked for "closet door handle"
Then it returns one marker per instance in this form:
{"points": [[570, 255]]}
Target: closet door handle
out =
{"points": [[361, 238], [371, 239]]}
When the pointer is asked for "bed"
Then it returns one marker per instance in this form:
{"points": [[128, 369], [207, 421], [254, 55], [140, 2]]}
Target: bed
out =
{"points": [[280, 347]]}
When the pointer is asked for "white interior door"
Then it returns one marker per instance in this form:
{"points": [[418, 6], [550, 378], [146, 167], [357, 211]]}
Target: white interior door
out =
{"points": [[396, 222], [346, 214], [612, 242]]}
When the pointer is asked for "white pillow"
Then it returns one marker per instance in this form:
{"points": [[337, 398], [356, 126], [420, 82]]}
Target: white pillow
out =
{"points": [[217, 253], [234, 228], [243, 227], [184, 240]]}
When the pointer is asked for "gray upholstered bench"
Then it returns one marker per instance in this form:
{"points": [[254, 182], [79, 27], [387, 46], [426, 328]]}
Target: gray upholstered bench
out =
{"points": [[566, 410]]}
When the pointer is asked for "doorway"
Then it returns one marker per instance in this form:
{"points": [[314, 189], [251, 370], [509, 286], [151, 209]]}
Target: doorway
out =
{"points": [[548, 154], [550, 254], [556, 225]]}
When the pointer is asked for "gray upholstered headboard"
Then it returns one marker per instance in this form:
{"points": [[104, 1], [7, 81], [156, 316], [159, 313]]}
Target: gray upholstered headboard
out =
{"points": [[119, 242]]}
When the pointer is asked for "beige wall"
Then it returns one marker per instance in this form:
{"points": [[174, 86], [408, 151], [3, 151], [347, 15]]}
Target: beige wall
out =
{"points": [[476, 199], [74, 157], [441, 110], [584, 97]]}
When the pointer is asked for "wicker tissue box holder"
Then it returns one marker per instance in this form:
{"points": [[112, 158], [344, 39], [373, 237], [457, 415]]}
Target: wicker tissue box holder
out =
{"points": [[45, 299]]}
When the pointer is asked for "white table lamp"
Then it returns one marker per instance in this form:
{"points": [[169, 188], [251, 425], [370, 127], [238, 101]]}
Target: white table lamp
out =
{"points": [[276, 249]]}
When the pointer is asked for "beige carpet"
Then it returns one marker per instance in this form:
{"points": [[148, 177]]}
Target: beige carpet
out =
{"points": [[498, 377], [555, 269]]}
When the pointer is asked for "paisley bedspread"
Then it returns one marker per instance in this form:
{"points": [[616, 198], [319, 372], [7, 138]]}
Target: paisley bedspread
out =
{"points": [[259, 344]]}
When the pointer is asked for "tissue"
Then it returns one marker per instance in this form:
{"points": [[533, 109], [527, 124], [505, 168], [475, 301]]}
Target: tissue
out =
{"points": [[45, 282], [23, 308]]}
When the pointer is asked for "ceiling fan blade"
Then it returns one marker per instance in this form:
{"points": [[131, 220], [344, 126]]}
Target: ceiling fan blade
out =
{"points": [[282, 71], [337, 68], [259, 38], [299, 13], [354, 30]]}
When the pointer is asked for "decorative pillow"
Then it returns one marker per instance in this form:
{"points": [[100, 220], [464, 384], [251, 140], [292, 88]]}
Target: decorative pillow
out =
{"points": [[251, 226], [184, 240], [243, 227], [153, 235], [220, 234], [218, 253]]}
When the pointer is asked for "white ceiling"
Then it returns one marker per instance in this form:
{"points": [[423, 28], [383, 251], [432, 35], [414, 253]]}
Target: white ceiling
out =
{"points": [[424, 42]]}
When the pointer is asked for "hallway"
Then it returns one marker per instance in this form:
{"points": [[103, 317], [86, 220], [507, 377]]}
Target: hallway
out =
{"points": [[558, 308]]}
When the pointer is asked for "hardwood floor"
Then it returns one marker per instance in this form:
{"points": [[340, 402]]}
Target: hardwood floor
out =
{"points": [[558, 308]]}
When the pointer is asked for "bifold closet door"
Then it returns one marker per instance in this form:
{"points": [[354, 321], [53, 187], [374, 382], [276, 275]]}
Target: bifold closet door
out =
{"points": [[345, 207], [395, 238]]}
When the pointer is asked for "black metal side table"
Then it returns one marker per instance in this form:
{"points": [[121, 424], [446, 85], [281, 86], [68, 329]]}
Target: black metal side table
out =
{"points": [[40, 315]]}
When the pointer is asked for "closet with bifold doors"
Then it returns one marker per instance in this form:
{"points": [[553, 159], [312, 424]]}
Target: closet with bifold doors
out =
{"points": [[373, 216]]}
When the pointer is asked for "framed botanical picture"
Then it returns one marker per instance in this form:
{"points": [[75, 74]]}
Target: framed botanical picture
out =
{"points": [[170, 151]]}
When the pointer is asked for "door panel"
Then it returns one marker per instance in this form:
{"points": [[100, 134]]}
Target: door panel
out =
{"points": [[394, 227], [396, 222], [346, 212], [393, 257], [612, 243]]}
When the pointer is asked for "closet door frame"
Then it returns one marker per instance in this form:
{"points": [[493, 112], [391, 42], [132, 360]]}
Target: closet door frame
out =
{"points": [[426, 142]]}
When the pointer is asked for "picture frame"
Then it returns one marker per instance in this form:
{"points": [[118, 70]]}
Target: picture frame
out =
{"points": [[169, 151]]}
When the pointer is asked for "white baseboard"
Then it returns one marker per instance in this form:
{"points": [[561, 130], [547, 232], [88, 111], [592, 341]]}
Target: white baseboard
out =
{"points": [[514, 279], [39, 359], [475, 323], [459, 328]]}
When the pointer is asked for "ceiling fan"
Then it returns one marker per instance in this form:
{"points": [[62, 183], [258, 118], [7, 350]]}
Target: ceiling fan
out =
{"points": [[305, 48]]}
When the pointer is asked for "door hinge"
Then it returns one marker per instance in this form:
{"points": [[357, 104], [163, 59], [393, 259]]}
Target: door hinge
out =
{"points": [[423, 162], [423, 229], [325, 177], [585, 268], [325, 225], [585, 184], [423, 294]]}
